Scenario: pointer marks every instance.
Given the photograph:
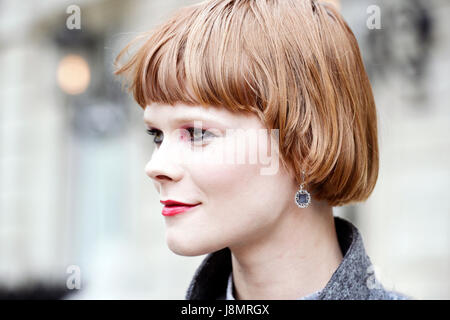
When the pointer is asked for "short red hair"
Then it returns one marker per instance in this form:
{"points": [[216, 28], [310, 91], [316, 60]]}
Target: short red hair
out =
{"points": [[294, 63]]}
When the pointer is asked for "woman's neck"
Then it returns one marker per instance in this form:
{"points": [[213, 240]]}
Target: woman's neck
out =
{"points": [[295, 258]]}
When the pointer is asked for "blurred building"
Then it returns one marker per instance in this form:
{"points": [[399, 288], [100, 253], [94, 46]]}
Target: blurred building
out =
{"points": [[74, 198]]}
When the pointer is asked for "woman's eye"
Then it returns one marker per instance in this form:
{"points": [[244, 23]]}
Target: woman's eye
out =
{"points": [[158, 135], [199, 135]]}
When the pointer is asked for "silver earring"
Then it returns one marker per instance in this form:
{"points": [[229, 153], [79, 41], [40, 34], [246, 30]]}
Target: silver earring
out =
{"points": [[302, 197]]}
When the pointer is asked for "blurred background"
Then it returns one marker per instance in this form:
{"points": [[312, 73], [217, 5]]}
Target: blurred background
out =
{"points": [[79, 219]]}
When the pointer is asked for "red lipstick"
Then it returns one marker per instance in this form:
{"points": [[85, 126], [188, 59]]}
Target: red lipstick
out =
{"points": [[172, 207]]}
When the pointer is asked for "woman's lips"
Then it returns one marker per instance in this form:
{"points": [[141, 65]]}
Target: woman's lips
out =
{"points": [[176, 209]]}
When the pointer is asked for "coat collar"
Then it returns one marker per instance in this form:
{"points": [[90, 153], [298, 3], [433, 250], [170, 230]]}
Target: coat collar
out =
{"points": [[349, 281]]}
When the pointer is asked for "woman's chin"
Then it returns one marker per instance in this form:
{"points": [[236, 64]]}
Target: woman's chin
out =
{"points": [[188, 247]]}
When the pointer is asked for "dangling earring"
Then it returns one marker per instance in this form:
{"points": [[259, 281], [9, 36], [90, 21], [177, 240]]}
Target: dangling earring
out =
{"points": [[302, 197]]}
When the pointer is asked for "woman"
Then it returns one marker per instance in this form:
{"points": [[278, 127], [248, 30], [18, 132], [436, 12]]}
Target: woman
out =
{"points": [[218, 72]]}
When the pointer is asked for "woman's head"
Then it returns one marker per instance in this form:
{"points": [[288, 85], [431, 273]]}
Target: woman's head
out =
{"points": [[291, 65]]}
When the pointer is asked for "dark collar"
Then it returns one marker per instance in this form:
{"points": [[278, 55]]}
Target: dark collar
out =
{"points": [[349, 281]]}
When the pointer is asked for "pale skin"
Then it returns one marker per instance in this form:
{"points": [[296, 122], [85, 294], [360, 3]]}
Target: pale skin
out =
{"points": [[279, 251]]}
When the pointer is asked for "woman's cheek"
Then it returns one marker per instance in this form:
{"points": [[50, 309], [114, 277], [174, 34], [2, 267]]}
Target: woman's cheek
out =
{"points": [[215, 167], [205, 155]]}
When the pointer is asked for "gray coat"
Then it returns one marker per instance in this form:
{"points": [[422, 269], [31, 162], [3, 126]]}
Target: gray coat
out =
{"points": [[354, 279]]}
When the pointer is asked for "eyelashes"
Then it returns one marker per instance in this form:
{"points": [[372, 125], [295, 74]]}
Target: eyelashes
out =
{"points": [[194, 135], [158, 135]]}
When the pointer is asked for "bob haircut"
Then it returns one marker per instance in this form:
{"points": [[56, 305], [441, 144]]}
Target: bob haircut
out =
{"points": [[294, 63]]}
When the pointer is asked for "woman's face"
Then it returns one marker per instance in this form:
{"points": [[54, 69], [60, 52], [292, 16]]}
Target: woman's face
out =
{"points": [[238, 202]]}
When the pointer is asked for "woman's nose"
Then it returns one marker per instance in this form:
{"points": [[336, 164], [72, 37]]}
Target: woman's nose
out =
{"points": [[164, 164]]}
